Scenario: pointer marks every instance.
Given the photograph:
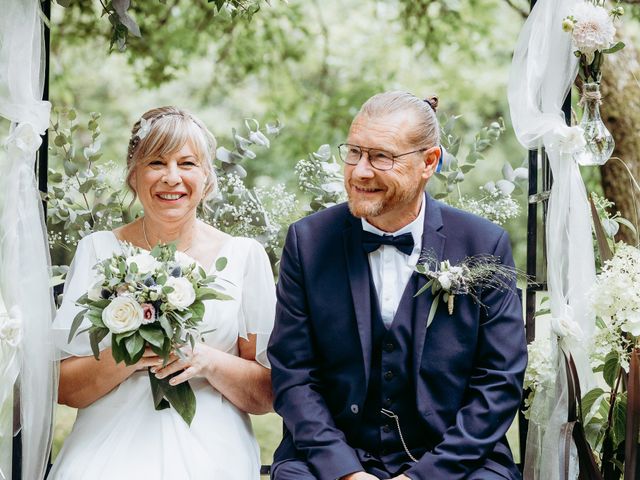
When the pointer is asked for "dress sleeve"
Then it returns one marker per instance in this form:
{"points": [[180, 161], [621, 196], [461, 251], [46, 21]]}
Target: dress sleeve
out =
{"points": [[257, 311], [80, 277]]}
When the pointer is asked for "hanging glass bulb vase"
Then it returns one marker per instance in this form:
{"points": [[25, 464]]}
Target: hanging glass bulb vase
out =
{"points": [[599, 141]]}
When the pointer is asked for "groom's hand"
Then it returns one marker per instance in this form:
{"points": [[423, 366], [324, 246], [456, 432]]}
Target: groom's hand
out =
{"points": [[401, 477], [359, 476]]}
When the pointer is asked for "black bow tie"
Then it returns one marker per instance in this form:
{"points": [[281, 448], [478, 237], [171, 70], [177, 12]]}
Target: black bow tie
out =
{"points": [[371, 242]]}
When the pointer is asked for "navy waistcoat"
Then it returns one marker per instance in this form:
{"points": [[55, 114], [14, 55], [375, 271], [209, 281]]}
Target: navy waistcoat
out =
{"points": [[391, 387]]}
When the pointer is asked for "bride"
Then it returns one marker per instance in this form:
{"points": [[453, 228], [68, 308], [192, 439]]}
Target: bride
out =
{"points": [[118, 433]]}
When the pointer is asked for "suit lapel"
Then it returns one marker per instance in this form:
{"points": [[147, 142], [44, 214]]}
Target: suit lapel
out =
{"points": [[358, 267], [433, 240]]}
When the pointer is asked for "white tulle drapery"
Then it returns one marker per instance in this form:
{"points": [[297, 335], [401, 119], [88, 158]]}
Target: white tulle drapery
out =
{"points": [[24, 254], [542, 73]]}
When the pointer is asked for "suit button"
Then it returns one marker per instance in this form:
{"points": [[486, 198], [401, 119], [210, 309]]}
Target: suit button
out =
{"points": [[386, 428], [355, 409], [388, 375], [387, 402], [389, 347], [367, 455]]}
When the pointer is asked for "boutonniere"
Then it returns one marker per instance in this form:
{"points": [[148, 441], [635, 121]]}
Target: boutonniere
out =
{"points": [[468, 277]]}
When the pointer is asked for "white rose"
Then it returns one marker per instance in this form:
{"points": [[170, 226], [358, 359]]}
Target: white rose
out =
{"points": [[95, 292], [123, 314], [11, 327], [184, 260], [183, 294], [23, 139], [146, 263], [444, 279]]}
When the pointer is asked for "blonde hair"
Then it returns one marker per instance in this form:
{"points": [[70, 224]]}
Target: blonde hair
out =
{"points": [[169, 129], [426, 131]]}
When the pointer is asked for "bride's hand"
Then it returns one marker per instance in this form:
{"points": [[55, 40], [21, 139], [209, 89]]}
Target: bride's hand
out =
{"points": [[195, 364], [149, 359]]}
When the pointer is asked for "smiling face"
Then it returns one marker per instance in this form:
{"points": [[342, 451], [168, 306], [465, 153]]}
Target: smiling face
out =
{"points": [[170, 186], [390, 198]]}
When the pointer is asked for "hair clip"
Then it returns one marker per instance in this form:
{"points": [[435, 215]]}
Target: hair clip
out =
{"points": [[145, 128]]}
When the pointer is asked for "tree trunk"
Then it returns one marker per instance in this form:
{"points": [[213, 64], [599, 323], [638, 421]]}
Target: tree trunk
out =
{"points": [[621, 114]]}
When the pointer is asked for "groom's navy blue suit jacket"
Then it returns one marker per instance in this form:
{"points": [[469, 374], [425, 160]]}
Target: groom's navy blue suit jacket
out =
{"points": [[467, 367]]}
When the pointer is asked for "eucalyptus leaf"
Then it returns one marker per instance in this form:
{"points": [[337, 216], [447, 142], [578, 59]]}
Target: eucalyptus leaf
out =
{"points": [[221, 264], [77, 321]]}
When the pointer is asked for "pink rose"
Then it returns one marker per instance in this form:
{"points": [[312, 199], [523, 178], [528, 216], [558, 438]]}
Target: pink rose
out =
{"points": [[149, 313]]}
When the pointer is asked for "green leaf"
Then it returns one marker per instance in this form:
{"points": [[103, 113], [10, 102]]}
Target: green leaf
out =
{"points": [[153, 335], [70, 169], [201, 271], [441, 177], [135, 346], [95, 337], [618, 427], [77, 321], [119, 337], [613, 49], [627, 224], [197, 309], [95, 317], [425, 287], [611, 367], [433, 309], [60, 140], [589, 399], [467, 168], [117, 351], [221, 263], [181, 397], [87, 186], [157, 391], [166, 326]]}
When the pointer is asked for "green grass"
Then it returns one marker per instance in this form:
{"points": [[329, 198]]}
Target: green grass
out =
{"points": [[268, 430]]}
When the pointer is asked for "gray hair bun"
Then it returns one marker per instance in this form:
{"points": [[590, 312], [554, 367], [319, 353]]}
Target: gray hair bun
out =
{"points": [[433, 102]]}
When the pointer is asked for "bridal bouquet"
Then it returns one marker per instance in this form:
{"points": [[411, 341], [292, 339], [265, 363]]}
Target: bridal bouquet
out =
{"points": [[150, 299]]}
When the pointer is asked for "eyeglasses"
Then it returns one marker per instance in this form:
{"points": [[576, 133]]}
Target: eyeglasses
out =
{"points": [[379, 159]]}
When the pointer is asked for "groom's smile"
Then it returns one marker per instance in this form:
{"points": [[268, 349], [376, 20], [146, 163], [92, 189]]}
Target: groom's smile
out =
{"points": [[388, 198]]}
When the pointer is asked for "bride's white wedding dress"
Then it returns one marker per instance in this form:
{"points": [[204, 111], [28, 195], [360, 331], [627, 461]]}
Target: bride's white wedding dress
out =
{"points": [[121, 435]]}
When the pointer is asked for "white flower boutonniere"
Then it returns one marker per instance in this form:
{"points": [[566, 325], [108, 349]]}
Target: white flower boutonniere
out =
{"points": [[466, 278]]}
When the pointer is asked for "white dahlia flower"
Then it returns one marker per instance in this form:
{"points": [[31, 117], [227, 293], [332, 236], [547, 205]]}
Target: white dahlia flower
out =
{"points": [[593, 29]]}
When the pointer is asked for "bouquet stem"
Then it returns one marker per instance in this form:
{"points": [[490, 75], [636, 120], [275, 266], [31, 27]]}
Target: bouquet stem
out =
{"points": [[180, 397]]}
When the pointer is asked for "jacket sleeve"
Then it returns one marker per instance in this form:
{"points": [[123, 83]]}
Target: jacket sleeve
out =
{"points": [[296, 377], [494, 391]]}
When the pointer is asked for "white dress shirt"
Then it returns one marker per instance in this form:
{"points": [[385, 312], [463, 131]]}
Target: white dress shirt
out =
{"points": [[391, 269]]}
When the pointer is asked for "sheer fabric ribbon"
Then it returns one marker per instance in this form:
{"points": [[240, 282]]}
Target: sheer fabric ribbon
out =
{"points": [[24, 253], [542, 73]]}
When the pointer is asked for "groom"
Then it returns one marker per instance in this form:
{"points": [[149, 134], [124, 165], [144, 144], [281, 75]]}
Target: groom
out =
{"points": [[365, 389]]}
